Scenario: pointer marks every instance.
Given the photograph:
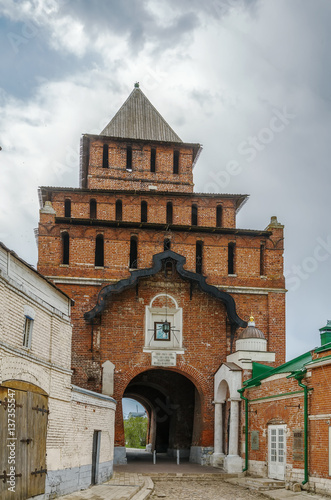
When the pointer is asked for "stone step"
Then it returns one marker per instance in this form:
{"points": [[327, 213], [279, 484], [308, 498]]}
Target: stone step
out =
{"points": [[258, 483]]}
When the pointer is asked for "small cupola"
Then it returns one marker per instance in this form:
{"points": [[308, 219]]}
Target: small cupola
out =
{"points": [[251, 338], [325, 333], [251, 346]]}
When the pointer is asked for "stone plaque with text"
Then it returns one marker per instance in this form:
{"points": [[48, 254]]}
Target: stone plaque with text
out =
{"points": [[163, 358], [298, 445], [255, 440]]}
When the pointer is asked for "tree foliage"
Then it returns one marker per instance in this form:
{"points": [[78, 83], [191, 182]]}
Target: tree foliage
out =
{"points": [[135, 429]]}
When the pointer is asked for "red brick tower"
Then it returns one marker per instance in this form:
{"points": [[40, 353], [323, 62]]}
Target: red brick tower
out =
{"points": [[162, 279]]}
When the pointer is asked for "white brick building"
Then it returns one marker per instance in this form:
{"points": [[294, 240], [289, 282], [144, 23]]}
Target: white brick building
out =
{"points": [[61, 437]]}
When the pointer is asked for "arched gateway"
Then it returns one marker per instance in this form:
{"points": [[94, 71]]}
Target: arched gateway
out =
{"points": [[173, 404], [156, 353], [162, 278]]}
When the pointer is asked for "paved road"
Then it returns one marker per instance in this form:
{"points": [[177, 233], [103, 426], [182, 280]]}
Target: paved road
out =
{"points": [[188, 489]]}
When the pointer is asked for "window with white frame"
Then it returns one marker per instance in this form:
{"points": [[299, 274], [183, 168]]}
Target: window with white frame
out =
{"points": [[163, 324], [29, 315]]}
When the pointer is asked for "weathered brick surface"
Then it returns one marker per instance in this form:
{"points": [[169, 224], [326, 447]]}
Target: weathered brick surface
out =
{"points": [[281, 401], [116, 176], [118, 335], [46, 364]]}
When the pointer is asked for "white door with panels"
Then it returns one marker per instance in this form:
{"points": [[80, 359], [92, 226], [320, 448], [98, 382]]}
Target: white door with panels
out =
{"points": [[276, 451]]}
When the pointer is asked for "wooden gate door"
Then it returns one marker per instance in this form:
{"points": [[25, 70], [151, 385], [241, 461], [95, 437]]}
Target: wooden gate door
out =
{"points": [[36, 433], [23, 425]]}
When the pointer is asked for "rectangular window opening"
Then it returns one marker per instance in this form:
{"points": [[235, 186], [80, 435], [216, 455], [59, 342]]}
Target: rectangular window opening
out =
{"points": [[105, 160], [67, 208], [27, 334], [118, 210], [167, 244], [143, 211], [93, 209], [153, 160], [65, 248], [129, 158], [219, 216], [133, 253], [231, 258], [194, 215], [99, 251], [262, 259], [198, 257], [176, 162], [169, 212]]}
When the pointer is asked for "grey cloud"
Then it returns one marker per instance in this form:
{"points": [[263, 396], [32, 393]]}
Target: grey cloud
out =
{"points": [[131, 19]]}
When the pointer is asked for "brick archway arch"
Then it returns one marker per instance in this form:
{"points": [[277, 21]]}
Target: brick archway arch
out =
{"points": [[174, 403]]}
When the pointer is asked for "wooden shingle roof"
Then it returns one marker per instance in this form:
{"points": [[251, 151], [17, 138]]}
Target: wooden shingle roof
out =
{"points": [[138, 119]]}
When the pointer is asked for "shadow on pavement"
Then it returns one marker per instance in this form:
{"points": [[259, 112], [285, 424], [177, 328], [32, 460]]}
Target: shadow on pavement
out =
{"points": [[141, 461]]}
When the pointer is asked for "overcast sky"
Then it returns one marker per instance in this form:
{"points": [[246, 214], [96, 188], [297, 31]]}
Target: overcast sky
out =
{"points": [[249, 80]]}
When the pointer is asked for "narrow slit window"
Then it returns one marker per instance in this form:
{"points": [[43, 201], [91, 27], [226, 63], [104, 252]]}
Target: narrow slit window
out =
{"points": [[194, 215], [169, 269], [65, 248], [118, 210], [169, 212], [133, 253], [231, 258], [99, 251], [93, 209], [67, 208], [198, 257], [105, 156], [262, 259], [153, 160], [143, 211], [167, 244], [27, 333], [219, 216], [176, 162], [129, 158]]}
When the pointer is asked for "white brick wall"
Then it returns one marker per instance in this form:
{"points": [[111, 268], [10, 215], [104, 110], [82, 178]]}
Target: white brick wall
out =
{"points": [[74, 412]]}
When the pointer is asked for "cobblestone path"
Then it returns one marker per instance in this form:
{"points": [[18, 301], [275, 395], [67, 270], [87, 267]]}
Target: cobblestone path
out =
{"points": [[204, 489]]}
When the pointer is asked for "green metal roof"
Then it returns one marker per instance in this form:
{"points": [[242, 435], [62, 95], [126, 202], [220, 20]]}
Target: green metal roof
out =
{"points": [[325, 347], [261, 372]]}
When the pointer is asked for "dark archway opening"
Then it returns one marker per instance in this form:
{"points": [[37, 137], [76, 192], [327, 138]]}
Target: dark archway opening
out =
{"points": [[173, 406]]}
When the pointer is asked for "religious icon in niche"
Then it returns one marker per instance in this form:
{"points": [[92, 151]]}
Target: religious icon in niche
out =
{"points": [[162, 330]]}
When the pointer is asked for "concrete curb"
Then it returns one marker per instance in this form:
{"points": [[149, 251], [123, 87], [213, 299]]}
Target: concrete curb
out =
{"points": [[145, 491]]}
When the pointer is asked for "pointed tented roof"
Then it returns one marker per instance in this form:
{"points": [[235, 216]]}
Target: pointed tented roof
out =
{"points": [[138, 119]]}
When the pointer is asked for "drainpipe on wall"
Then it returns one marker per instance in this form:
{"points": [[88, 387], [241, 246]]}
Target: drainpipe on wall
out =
{"points": [[299, 377], [241, 391]]}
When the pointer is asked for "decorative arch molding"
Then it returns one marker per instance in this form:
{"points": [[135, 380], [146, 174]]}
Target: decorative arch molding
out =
{"points": [[158, 259], [227, 378], [164, 295], [22, 385], [39, 377], [188, 371]]}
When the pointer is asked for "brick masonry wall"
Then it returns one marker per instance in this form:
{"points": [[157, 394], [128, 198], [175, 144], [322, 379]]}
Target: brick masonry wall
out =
{"points": [[284, 410], [72, 419], [116, 176], [150, 242], [276, 410], [119, 334], [157, 206], [320, 418], [51, 326], [206, 337]]}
